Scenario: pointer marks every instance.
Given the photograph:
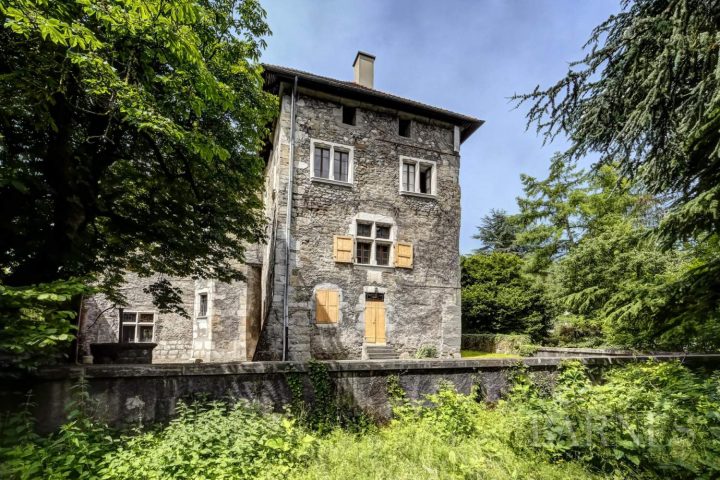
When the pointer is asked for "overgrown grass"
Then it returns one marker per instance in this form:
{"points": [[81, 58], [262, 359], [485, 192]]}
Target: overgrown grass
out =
{"points": [[648, 421], [478, 354]]}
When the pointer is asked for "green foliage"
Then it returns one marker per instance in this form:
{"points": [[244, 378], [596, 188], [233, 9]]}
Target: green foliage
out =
{"points": [[497, 232], [36, 322], [654, 420], [328, 409], [498, 298], [550, 214], [576, 331], [494, 342], [644, 421], [426, 351], [647, 97], [129, 134], [77, 450], [213, 441]]}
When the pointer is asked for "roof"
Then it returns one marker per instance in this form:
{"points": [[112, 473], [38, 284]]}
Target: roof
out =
{"points": [[275, 74]]}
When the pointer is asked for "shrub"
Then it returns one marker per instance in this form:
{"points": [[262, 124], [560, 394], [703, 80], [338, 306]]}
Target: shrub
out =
{"points": [[658, 418], [494, 342], [36, 322], [426, 351]]}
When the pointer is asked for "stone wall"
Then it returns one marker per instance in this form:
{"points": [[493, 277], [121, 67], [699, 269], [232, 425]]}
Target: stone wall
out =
{"points": [[422, 305], [219, 337], [131, 394]]}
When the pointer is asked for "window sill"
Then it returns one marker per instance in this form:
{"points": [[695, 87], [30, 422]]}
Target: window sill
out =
{"points": [[331, 182], [421, 195], [367, 265]]}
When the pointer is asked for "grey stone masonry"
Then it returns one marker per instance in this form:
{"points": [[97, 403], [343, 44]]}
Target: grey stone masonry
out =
{"points": [[362, 244], [422, 303], [128, 395]]}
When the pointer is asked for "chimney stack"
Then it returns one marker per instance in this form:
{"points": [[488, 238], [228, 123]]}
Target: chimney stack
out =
{"points": [[364, 69]]}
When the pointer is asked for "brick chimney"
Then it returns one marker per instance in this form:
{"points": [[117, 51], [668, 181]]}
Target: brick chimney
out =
{"points": [[364, 69]]}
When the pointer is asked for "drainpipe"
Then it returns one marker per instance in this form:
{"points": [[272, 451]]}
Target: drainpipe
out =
{"points": [[288, 220]]}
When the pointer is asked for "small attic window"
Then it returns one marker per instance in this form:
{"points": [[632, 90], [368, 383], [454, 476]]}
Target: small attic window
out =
{"points": [[404, 127], [348, 115]]}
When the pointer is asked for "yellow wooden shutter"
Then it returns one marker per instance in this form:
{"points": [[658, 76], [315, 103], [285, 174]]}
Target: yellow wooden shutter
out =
{"points": [[404, 255], [321, 315], [343, 248], [333, 306], [327, 306]]}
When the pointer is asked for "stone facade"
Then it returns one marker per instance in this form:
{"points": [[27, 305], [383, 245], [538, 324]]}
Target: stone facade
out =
{"points": [[416, 303], [422, 304], [224, 334]]}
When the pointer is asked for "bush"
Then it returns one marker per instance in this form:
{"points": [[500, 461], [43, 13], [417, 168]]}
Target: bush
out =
{"points": [[498, 298], [36, 322], [494, 342], [426, 351], [653, 420], [660, 419], [576, 331]]}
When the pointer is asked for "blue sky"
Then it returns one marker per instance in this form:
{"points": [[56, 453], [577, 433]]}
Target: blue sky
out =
{"points": [[465, 56]]}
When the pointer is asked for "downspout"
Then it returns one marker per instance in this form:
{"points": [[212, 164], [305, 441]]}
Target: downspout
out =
{"points": [[288, 220]]}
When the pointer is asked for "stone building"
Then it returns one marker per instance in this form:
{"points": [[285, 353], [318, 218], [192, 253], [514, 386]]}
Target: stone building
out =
{"points": [[373, 268]]}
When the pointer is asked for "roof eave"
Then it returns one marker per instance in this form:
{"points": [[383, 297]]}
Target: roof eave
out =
{"points": [[467, 124]]}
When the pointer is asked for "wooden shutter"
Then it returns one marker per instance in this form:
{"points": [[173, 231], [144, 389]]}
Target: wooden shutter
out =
{"points": [[327, 306], [343, 249], [404, 255]]}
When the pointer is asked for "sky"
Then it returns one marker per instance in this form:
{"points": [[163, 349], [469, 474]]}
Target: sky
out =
{"points": [[465, 56]]}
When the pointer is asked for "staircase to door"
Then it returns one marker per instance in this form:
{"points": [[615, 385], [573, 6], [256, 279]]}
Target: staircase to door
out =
{"points": [[380, 352], [375, 338]]}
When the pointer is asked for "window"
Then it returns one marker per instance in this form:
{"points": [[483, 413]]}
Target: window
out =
{"points": [[372, 244], [322, 162], [331, 162], [348, 115], [382, 254], [203, 305], [363, 251], [341, 167], [417, 176], [327, 306], [137, 327], [404, 127]]}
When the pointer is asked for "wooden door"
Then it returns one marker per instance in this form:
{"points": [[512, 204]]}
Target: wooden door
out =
{"points": [[374, 321]]}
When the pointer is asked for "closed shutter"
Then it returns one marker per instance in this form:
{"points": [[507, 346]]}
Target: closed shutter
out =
{"points": [[404, 255], [327, 306], [343, 249]]}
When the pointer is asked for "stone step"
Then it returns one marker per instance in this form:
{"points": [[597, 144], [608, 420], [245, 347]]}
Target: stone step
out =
{"points": [[381, 352]]}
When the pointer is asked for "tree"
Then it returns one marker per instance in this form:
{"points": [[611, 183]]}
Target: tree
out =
{"points": [[129, 134], [647, 95], [498, 298], [497, 232], [549, 214]]}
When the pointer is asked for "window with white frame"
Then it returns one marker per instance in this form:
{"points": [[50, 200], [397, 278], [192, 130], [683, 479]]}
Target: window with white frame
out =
{"points": [[202, 324], [137, 327], [331, 161], [373, 243], [417, 176], [203, 305]]}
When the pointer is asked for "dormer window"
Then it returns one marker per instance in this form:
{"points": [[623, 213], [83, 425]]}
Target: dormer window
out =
{"points": [[404, 127], [417, 176], [331, 162], [348, 115]]}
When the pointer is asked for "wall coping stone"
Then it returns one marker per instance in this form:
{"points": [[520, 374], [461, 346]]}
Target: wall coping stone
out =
{"points": [[339, 366]]}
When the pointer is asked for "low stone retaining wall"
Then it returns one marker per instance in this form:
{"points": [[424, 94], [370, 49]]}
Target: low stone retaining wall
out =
{"points": [[131, 394], [564, 352]]}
